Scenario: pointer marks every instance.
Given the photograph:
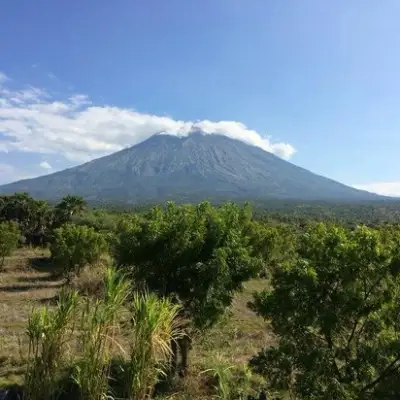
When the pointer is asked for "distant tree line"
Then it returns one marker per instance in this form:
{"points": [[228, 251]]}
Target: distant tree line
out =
{"points": [[36, 218]]}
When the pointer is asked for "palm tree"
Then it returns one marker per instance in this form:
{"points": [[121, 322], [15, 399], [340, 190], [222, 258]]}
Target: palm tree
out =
{"points": [[68, 207]]}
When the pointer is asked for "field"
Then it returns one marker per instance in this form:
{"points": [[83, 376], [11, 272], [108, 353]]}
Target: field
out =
{"points": [[29, 281]]}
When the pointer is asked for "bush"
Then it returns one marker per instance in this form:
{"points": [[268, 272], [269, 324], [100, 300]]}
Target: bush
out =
{"points": [[34, 217], [198, 255], [74, 247], [9, 237], [336, 313]]}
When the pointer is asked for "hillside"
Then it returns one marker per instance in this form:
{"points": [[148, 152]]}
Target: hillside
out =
{"points": [[192, 168]]}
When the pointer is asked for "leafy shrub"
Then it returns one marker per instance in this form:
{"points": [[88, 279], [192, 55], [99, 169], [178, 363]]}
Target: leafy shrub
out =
{"points": [[100, 220], [74, 247], [34, 217], [197, 255], [336, 312], [9, 237], [67, 208]]}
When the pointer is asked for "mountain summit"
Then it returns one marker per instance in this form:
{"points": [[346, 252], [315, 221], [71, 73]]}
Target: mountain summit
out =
{"points": [[199, 166]]}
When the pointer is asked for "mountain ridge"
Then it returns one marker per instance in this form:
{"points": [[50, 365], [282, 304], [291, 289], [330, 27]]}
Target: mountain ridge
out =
{"points": [[189, 168]]}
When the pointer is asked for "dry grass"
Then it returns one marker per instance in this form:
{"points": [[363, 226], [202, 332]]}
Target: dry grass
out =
{"points": [[29, 281], [23, 285]]}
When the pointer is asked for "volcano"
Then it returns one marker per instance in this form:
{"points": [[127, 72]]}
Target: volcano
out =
{"points": [[187, 169]]}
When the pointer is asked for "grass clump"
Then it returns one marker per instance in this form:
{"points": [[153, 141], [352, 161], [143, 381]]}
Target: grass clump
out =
{"points": [[99, 325], [155, 324], [48, 332]]}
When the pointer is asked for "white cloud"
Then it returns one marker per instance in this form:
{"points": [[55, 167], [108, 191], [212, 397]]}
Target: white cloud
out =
{"points": [[33, 121], [45, 165], [9, 173], [384, 188]]}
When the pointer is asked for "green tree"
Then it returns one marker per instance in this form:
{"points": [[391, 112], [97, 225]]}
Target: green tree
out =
{"points": [[34, 217], [9, 237], [336, 312], [68, 207], [197, 255], [73, 247], [274, 244]]}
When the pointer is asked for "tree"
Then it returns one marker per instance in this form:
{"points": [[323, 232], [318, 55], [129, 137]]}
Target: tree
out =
{"points": [[274, 244], [197, 255], [34, 217], [336, 312], [67, 208], [9, 237], [73, 247]]}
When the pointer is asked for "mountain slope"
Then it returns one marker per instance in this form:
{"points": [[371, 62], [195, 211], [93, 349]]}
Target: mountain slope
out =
{"points": [[188, 169]]}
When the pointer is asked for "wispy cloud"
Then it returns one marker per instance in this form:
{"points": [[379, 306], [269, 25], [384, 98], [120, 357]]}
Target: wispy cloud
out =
{"points": [[52, 76], [45, 165], [9, 173], [34, 121], [383, 188], [3, 78]]}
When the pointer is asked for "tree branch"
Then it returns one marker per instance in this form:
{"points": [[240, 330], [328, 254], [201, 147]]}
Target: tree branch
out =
{"points": [[392, 367]]}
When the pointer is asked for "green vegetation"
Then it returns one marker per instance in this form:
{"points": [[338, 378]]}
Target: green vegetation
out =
{"points": [[155, 325], [74, 246], [48, 332], [34, 217], [99, 324], [294, 308], [9, 238], [199, 256], [68, 207], [335, 310]]}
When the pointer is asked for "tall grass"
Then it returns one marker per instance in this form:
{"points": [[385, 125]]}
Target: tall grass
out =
{"points": [[155, 324], [48, 333], [99, 326], [224, 377], [231, 382]]}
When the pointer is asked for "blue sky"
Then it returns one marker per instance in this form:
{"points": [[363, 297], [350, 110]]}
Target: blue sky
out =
{"points": [[316, 82]]}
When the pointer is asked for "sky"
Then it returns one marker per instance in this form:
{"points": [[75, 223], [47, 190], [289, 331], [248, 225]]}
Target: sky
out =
{"points": [[316, 82]]}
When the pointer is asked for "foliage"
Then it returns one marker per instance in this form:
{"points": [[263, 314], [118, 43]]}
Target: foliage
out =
{"points": [[155, 324], [9, 238], [198, 254], [100, 220], [48, 332], [34, 217], [99, 324], [231, 382], [274, 244], [73, 247], [68, 207], [336, 313]]}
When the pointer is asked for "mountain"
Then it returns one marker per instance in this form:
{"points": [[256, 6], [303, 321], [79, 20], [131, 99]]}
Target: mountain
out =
{"points": [[192, 168]]}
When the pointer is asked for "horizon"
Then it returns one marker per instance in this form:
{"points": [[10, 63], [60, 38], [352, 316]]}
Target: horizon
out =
{"points": [[315, 84]]}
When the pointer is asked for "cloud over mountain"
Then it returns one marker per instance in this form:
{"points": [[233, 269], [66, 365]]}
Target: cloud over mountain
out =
{"points": [[384, 188], [35, 120]]}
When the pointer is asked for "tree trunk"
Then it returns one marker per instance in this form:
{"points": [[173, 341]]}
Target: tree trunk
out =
{"points": [[174, 358], [184, 345]]}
